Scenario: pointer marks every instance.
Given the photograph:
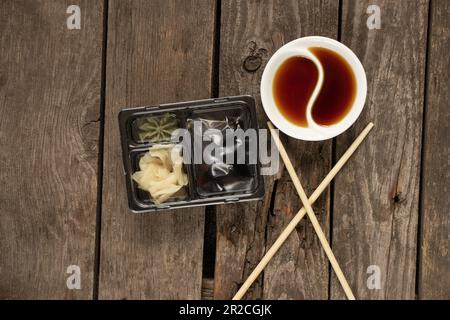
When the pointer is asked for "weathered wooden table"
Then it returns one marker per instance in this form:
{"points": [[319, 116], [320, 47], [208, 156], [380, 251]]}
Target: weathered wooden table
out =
{"points": [[62, 196]]}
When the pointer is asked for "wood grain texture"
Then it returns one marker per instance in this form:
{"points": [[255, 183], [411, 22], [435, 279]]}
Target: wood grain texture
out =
{"points": [[158, 51], [251, 32], [300, 270], [49, 111], [375, 215], [434, 280]]}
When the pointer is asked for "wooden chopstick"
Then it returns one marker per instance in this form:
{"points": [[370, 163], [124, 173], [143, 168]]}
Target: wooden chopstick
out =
{"points": [[301, 213]]}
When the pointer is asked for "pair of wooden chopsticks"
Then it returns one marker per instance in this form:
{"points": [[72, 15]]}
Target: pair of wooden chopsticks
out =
{"points": [[307, 209]]}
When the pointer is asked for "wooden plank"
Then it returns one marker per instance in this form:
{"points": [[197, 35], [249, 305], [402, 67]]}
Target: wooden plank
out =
{"points": [[207, 289], [49, 105], [434, 280], [158, 51], [376, 199], [251, 32]]}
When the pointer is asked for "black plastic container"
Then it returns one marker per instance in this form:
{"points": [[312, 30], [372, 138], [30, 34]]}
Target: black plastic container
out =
{"points": [[207, 184]]}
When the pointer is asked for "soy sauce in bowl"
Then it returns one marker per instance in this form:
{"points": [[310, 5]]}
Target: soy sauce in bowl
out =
{"points": [[296, 79], [293, 85]]}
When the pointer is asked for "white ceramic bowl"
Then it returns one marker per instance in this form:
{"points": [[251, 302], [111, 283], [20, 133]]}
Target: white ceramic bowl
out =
{"points": [[314, 132]]}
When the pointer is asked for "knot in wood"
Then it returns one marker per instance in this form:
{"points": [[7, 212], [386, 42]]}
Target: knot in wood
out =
{"points": [[398, 198], [252, 63]]}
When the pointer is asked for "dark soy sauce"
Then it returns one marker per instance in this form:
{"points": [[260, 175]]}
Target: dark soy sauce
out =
{"points": [[338, 91], [296, 79], [293, 84]]}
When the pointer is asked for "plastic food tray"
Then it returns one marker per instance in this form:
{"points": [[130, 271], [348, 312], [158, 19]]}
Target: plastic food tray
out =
{"points": [[243, 182]]}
